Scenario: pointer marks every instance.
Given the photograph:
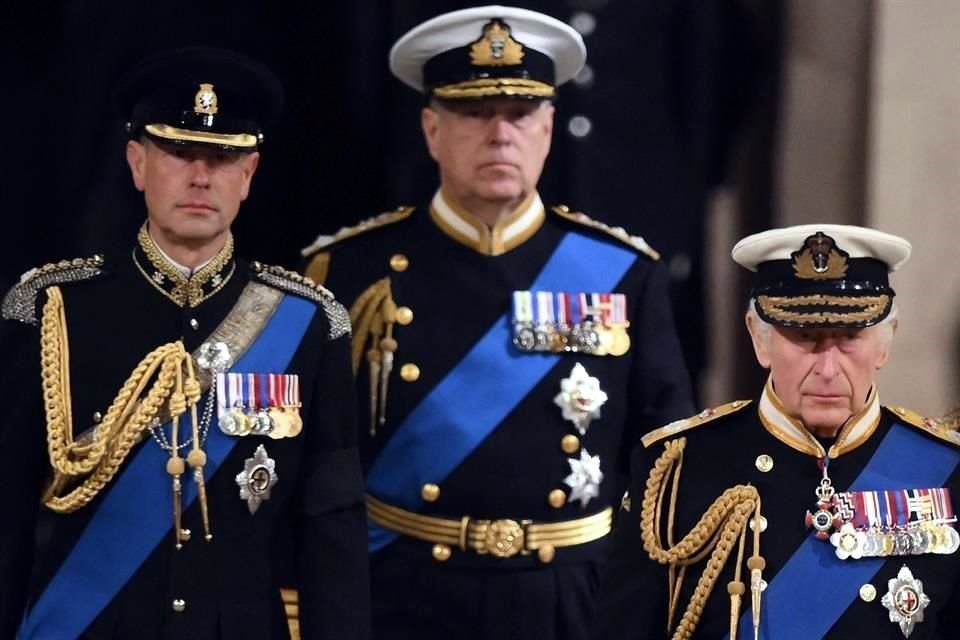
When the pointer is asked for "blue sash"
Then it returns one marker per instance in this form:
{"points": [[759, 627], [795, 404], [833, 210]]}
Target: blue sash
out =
{"points": [[135, 515], [828, 584], [484, 387]]}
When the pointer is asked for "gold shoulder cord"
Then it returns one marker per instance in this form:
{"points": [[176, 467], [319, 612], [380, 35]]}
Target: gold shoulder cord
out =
{"points": [[95, 463], [373, 315], [715, 534]]}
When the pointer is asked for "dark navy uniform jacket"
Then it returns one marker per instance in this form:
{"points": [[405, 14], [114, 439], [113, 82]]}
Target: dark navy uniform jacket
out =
{"points": [[722, 450], [457, 277], [227, 586]]}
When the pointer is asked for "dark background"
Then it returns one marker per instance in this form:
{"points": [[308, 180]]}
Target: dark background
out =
{"points": [[682, 98]]}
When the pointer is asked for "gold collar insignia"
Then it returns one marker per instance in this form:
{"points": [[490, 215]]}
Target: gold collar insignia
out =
{"points": [[171, 282]]}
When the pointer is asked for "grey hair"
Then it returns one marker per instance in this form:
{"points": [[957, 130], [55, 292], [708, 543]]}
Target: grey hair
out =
{"points": [[885, 327]]}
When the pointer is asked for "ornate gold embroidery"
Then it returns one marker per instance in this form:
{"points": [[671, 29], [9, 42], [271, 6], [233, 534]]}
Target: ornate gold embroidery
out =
{"points": [[820, 259], [483, 87], [183, 291], [496, 48], [862, 308], [206, 100]]}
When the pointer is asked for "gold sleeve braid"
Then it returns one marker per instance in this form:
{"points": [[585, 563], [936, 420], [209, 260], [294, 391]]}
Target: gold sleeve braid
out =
{"points": [[126, 419], [715, 534]]}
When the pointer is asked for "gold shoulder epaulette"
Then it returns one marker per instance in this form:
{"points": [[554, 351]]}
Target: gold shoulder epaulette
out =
{"points": [[21, 300], [936, 427], [293, 282], [619, 233], [705, 416], [388, 217]]}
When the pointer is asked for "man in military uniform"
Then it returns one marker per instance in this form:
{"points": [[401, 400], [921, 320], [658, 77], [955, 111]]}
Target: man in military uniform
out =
{"points": [[814, 511], [508, 354], [195, 405]]}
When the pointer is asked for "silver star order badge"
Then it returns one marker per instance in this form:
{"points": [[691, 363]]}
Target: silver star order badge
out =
{"points": [[580, 398], [585, 478], [905, 600], [258, 477]]}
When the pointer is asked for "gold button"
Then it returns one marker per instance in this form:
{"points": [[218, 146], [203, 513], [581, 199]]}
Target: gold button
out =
{"points": [[763, 524], [185, 534], [97, 417], [179, 605], [410, 372], [570, 443], [868, 592], [441, 552], [557, 498], [764, 463], [430, 492], [546, 553], [404, 315], [399, 262]]}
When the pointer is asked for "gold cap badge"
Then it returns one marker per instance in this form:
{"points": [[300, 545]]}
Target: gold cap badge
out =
{"points": [[206, 100], [820, 259], [496, 48]]}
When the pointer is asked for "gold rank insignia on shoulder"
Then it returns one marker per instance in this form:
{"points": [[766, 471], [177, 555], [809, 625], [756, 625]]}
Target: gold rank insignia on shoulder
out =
{"points": [[705, 416], [293, 282], [942, 428], [496, 48], [383, 219], [619, 233], [557, 322], [21, 300]]}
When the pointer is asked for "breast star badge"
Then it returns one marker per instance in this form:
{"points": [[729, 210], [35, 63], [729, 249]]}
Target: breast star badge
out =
{"points": [[585, 478], [905, 600], [580, 398], [258, 477]]}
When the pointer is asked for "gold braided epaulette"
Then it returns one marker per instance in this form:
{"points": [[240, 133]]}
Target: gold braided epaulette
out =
{"points": [[619, 233], [293, 282], [20, 303], [705, 416], [938, 427], [388, 217]]}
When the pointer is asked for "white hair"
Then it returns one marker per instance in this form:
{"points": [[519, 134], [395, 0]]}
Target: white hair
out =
{"points": [[884, 328]]}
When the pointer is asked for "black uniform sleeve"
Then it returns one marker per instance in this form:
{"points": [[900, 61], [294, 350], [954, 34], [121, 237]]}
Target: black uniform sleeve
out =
{"points": [[633, 593], [23, 464], [332, 550]]}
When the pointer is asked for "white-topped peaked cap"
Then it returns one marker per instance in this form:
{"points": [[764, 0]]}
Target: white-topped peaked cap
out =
{"points": [[488, 51], [822, 275]]}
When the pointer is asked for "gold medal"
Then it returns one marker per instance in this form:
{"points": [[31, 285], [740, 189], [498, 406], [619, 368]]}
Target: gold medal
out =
{"points": [[281, 423], [243, 422], [604, 340], [621, 339], [296, 422]]}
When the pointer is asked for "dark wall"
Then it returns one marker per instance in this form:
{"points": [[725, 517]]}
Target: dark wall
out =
{"points": [[672, 82]]}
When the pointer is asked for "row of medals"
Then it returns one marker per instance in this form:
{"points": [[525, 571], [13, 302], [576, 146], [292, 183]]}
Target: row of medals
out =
{"points": [[274, 422], [587, 337], [913, 540]]}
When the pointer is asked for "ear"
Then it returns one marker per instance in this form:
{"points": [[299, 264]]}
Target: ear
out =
{"points": [[429, 121], [760, 346], [136, 159], [884, 351], [250, 163]]}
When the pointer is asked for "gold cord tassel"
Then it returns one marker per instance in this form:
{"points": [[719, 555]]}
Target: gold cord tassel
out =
{"points": [[373, 315], [715, 534]]}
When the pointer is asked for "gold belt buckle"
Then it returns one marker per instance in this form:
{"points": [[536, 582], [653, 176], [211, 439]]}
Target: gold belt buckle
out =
{"points": [[504, 538]]}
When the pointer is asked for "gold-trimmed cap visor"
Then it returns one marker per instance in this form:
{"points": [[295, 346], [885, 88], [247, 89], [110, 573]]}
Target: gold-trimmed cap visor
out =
{"points": [[821, 310]]}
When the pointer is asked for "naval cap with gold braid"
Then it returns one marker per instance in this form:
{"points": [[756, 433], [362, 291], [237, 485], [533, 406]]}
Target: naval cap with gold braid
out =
{"points": [[200, 96], [822, 275], [491, 51]]}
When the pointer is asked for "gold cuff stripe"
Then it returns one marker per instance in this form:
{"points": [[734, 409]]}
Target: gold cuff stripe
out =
{"points": [[472, 534], [167, 132], [780, 307]]}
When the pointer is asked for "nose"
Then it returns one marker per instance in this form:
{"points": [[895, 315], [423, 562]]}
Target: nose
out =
{"points": [[827, 362], [200, 173], [499, 130]]}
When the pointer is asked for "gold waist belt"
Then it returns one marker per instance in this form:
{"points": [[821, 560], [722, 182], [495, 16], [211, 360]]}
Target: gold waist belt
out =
{"points": [[500, 538]]}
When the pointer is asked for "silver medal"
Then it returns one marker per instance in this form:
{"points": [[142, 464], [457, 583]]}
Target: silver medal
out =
{"points": [[258, 477]]}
